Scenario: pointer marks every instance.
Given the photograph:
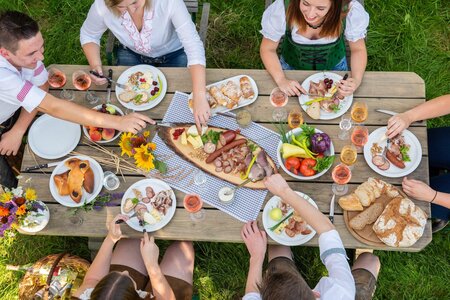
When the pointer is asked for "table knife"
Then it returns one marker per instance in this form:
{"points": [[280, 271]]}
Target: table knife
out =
{"points": [[331, 216], [121, 85], [392, 113], [42, 166], [108, 88]]}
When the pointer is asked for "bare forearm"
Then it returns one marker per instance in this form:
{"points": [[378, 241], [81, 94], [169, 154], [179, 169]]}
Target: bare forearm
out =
{"points": [[270, 60], [100, 266], [198, 79], [23, 121], [160, 286], [92, 52], [358, 60], [442, 199], [254, 275], [431, 109]]}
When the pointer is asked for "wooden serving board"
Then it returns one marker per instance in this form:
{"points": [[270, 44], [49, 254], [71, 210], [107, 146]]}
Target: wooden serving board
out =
{"points": [[367, 235], [187, 151]]}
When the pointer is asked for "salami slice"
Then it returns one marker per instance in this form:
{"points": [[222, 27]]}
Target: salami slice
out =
{"points": [[378, 160]]}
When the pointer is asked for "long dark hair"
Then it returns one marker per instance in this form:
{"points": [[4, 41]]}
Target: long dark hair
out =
{"points": [[115, 286], [332, 25]]}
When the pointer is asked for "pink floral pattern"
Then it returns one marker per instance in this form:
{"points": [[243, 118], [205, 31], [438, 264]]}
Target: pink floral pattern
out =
{"points": [[141, 39]]}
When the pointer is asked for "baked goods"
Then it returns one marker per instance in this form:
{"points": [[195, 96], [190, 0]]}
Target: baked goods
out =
{"points": [[246, 87], [314, 111], [88, 183], [367, 217], [61, 183], [127, 96], [218, 96], [401, 224], [350, 202], [232, 91]]}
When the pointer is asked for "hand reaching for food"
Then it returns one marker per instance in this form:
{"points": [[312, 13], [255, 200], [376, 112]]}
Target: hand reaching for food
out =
{"points": [[398, 123], [291, 87], [202, 111], [133, 122], [276, 184], [347, 87], [97, 80], [418, 190], [149, 251], [255, 240], [114, 232]]}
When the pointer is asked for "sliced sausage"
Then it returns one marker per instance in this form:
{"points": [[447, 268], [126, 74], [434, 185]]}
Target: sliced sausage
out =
{"points": [[378, 160], [385, 166], [227, 137], [224, 149]]}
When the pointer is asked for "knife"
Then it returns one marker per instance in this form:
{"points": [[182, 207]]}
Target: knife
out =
{"points": [[108, 88], [331, 216], [392, 113], [121, 85], [42, 166]]}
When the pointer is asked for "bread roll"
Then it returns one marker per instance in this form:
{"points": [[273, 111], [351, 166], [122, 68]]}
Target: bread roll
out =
{"points": [[127, 96], [61, 183], [314, 111], [350, 203], [89, 183], [366, 217]]}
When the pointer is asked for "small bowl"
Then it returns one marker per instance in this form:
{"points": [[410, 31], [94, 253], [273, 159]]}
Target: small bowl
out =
{"points": [[43, 220], [102, 141]]}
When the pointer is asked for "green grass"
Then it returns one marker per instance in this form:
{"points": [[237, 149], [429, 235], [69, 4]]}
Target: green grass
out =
{"points": [[404, 35]]}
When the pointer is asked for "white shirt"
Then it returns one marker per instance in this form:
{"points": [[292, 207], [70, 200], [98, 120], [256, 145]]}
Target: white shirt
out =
{"points": [[167, 27], [339, 285], [86, 295], [20, 88], [274, 24]]}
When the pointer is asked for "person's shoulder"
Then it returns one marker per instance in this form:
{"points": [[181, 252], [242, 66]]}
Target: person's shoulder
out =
{"points": [[356, 9]]}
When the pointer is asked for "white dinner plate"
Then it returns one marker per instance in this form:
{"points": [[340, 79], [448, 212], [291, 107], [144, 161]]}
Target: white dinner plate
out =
{"points": [[415, 153], [283, 238], [157, 185], [123, 78], [41, 216], [297, 131], [53, 138], [243, 102], [86, 197], [102, 141], [324, 115]]}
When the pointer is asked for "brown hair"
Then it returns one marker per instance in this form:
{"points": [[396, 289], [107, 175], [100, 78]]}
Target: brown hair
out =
{"points": [[332, 24], [16, 26], [115, 286], [285, 285], [111, 4]]}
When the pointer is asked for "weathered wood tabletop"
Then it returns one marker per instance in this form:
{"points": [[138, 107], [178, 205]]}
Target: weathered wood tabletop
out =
{"points": [[396, 91]]}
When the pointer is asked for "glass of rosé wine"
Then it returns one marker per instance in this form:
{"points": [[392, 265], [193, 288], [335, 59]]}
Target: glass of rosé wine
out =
{"points": [[82, 82], [341, 176], [57, 79], [360, 136], [194, 206], [278, 99]]}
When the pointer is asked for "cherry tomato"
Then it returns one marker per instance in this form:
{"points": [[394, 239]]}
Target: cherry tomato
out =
{"points": [[306, 167]]}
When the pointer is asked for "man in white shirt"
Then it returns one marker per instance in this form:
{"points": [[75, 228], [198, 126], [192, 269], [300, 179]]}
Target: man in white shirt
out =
{"points": [[23, 86], [282, 280]]}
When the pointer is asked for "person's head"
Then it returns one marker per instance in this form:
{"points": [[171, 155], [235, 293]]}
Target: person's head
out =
{"points": [[21, 42], [118, 7], [285, 285], [115, 285], [327, 13]]}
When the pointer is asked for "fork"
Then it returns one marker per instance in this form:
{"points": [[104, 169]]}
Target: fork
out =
{"points": [[120, 85]]}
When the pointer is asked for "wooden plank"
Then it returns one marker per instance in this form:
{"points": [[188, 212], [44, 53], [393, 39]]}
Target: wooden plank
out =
{"points": [[217, 226], [204, 22], [320, 192]]}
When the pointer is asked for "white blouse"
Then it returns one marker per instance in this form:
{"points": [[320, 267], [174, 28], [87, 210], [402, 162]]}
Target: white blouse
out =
{"points": [[86, 295], [167, 27], [274, 24]]}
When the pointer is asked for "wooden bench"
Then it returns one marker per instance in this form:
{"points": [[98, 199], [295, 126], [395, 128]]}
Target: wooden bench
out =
{"points": [[193, 9]]}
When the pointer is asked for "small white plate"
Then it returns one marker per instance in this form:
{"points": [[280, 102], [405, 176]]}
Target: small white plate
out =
{"points": [[415, 153], [157, 185], [102, 141], [243, 102], [43, 220], [86, 198], [53, 138], [123, 78], [324, 115], [297, 131], [283, 238]]}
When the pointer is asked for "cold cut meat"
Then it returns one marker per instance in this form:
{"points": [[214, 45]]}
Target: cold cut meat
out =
{"points": [[394, 160], [225, 148], [227, 137]]}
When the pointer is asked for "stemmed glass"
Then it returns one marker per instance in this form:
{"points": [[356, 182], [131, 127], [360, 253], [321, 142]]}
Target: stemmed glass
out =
{"points": [[278, 99], [82, 82], [295, 118], [200, 179], [341, 176], [359, 111], [57, 79], [360, 136], [348, 156], [345, 125], [194, 206]]}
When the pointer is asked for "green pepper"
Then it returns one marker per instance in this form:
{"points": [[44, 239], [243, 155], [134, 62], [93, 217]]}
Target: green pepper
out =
{"points": [[245, 176], [295, 141], [308, 152]]}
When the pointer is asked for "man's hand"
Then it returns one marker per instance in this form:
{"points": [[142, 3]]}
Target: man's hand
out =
{"points": [[202, 111], [255, 240], [133, 122], [10, 142], [291, 87], [149, 251], [97, 80], [276, 185]]}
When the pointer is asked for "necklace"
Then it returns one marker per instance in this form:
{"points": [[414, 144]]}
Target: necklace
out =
{"points": [[315, 26]]}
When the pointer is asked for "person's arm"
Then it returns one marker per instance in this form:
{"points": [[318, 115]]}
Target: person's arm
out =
{"points": [[269, 57], [256, 242], [100, 266], [78, 114], [358, 60], [150, 253], [202, 111], [92, 53], [279, 187], [430, 109], [421, 191]]}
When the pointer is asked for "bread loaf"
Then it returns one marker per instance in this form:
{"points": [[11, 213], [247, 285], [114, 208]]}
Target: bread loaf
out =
{"points": [[314, 111], [366, 217], [350, 203]]}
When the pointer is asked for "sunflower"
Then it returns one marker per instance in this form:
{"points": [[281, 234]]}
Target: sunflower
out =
{"points": [[21, 210], [152, 146], [125, 144], [144, 158], [30, 194], [5, 197], [4, 212], [146, 133]]}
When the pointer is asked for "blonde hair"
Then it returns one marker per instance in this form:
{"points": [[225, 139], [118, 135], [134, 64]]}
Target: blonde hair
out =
{"points": [[111, 4]]}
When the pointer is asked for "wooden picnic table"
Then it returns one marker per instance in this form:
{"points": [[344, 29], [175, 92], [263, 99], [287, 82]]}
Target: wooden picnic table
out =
{"points": [[396, 91]]}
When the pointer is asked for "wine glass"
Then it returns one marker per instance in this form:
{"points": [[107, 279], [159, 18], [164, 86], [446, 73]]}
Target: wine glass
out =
{"points": [[359, 111], [82, 82], [345, 125], [278, 99], [110, 181], [200, 179], [194, 206], [348, 156], [295, 118], [57, 79], [341, 176], [360, 136]]}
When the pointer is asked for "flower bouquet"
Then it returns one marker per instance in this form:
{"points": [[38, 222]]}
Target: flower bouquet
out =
{"points": [[140, 147], [20, 209]]}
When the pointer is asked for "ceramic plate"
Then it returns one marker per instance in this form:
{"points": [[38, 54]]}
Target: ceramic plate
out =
{"points": [[42, 217], [297, 131], [415, 153], [102, 141], [157, 185], [162, 82], [86, 198], [324, 115], [283, 238], [243, 102], [53, 138]]}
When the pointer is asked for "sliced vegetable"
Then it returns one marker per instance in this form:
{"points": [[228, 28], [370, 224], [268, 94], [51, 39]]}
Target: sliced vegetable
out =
{"points": [[289, 150], [274, 227], [307, 167], [317, 100], [320, 142], [252, 162]]}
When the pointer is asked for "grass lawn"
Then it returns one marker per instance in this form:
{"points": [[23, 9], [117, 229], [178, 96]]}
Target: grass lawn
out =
{"points": [[404, 35]]}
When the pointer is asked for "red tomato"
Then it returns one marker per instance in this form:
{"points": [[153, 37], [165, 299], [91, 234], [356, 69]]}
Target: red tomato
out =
{"points": [[293, 164], [306, 167], [320, 155]]}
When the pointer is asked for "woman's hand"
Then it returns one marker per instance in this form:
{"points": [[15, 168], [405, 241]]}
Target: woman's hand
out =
{"points": [[97, 80], [418, 190], [291, 87], [348, 87], [255, 240], [133, 122], [149, 251], [398, 123], [276, 185], [114, 232], [202, 111]]}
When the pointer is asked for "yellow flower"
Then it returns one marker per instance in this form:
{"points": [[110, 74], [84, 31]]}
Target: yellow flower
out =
{"points": [[125, 144], [21, 210], [146, 133], [144, 158], [30, 194], [4, 212], [152, 146], [5, 197]]}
